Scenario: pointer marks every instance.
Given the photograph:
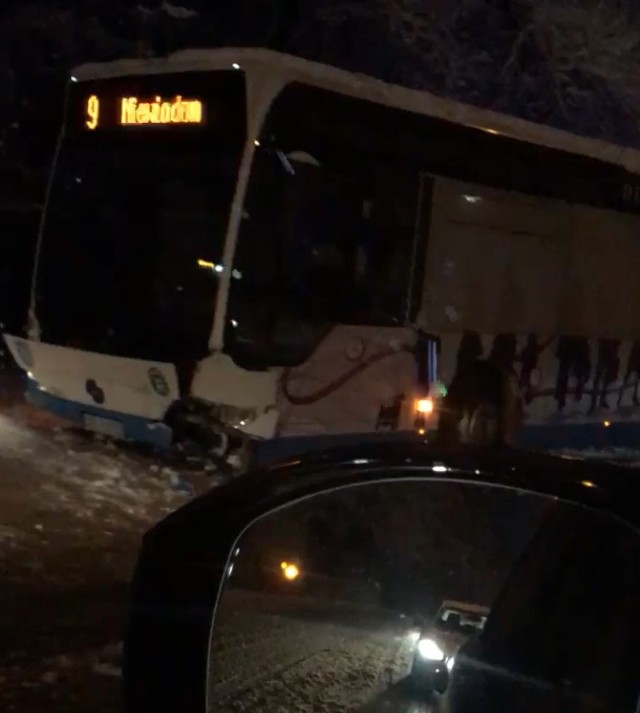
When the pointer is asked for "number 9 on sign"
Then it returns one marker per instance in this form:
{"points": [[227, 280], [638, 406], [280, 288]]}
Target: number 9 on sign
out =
{"points": [[93, 112]]}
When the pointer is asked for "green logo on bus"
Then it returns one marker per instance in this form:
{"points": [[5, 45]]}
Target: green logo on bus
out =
{"points": [[158, 382]]}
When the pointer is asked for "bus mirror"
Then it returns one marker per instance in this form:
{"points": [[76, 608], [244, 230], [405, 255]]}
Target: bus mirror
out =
{"points": [[303, 157]]}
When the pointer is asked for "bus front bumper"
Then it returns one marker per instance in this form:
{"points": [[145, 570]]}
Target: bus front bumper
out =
{"points": [[113, 424]]}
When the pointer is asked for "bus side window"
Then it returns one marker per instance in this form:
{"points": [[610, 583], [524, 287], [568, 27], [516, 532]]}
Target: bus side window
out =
{"points": [[329, 232], [322, 224], [277, 309]]}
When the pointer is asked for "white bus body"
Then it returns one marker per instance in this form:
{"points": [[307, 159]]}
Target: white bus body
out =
{"points": [[538, 275]]}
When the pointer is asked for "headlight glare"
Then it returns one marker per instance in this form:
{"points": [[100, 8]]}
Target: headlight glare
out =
{"points": [[451, 663], [428, 649]]}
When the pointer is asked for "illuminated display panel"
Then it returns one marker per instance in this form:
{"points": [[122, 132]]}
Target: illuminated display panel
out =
{"points": [[136, 111], [188, 101]]}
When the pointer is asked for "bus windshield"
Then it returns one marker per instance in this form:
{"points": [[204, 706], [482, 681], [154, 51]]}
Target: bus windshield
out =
{"points": [[138, 211]]}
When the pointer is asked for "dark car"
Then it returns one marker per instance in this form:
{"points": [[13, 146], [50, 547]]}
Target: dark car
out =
{"points": [[550, 638], [551, 545], [438, 643]]}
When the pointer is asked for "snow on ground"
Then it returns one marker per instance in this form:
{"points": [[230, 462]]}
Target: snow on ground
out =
{"points": [[628, 457], [72, 512], [623, 456], [295, 655]]}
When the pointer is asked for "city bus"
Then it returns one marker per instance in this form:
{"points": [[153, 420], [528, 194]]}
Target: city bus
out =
{"points": [[239, 244]]}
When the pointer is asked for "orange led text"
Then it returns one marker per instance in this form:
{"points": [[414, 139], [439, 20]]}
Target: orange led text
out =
{"points": [[134, 112]]}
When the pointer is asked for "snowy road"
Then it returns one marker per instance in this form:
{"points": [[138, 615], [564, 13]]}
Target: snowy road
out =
{"points": [[300, 656], [72, 512]]}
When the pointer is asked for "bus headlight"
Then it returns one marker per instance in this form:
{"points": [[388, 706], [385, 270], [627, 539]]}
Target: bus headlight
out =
{"points": [[428, 649]]}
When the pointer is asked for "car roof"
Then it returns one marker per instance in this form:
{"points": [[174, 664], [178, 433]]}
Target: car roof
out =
{"points": [[344, 461], [589, 481], [464, 607]]}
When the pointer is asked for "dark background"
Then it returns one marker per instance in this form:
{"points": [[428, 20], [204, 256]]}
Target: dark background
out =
{"points": [[573, 64]]}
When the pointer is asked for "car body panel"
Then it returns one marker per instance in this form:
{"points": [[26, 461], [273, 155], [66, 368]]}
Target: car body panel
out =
{"points": [[184, 558]]}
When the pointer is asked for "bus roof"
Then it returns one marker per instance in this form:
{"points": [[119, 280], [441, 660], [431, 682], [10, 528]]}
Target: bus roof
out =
{"points": [[296, 69]]}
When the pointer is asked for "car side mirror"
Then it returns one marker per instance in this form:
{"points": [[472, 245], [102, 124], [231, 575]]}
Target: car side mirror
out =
{"points": [[319, 590], [294, 584]]}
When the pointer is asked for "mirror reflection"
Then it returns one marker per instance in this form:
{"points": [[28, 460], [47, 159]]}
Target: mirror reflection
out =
{"points": [[411, 595]]}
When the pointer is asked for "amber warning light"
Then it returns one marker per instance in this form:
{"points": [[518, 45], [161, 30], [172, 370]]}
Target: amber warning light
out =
{"points": [[424, 409], [425, 406], [133, 111]]}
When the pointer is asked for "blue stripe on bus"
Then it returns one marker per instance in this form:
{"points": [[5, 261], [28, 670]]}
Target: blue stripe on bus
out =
{"points": [[136, 428], [552, 436], [581, 436]]}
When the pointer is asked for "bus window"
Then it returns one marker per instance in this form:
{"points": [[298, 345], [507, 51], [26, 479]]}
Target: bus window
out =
{"points": [[327, 237]]}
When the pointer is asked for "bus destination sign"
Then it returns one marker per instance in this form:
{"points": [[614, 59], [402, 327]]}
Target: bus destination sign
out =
{"points": [[134, 111]]}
